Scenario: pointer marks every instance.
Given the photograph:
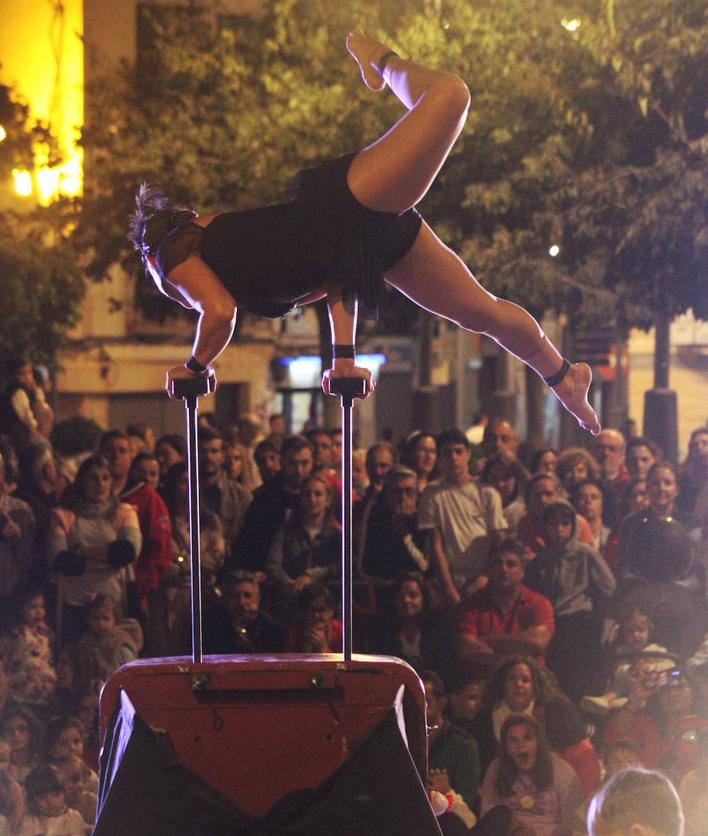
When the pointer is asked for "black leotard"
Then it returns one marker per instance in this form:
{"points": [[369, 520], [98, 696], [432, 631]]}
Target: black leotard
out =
{"points": [[268, 258]]}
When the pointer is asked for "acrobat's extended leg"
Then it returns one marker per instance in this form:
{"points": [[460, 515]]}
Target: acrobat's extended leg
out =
{"points": [[435, 278], [394, 173]]}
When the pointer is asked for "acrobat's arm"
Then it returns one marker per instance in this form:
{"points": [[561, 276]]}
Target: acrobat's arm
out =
{"points": [[343, 329]]}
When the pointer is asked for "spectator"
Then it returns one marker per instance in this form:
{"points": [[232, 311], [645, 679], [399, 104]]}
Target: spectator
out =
{"points": [[276, 430], [540, 490], [39, 487], [323, 453], [272, 505], [46, 802], [76, 774], [410, 629], [66, 735], [420, 453], [222, 496], [360, 479], [608, 448], [514, 688], [692, 476], [315, 629], [544, 460], [237, 624], [540, 788], [453, 761], [640, 456], [461, 518], [464, 698], [19, 726], [693, 792], [24, 413], [145, 468], [380, 459], [12, 798], [28, 651], [169, 450], [505, 618], [636, 801], [17, 542], [568, 738], [308, 546], [154, 553], [635, 497], [506, 473], [93, 538], [588, 500], [143, 433], [234, 456], [500, 437], [575, 465], [336, 435], [390, 540], [178, 580], [267, 458], [109, 643], [579, 584]]}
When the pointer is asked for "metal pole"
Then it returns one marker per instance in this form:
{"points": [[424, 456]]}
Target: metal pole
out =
{"points": [[190, 403], [347, 402]]}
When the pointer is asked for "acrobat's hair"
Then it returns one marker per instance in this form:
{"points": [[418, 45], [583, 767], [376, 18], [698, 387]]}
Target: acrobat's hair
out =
{"points": [[155, 215]]}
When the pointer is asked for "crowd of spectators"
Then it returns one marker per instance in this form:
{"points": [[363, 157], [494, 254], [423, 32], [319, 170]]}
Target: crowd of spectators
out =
{"points": [[553, 602]]}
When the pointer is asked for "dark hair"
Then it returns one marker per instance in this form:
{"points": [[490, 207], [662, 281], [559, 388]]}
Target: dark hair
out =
{"points": [[17, 710], [295, 444], [538, 477], [235, 576], [21, 596], [207, 434], [575, 491], [42, 780], [464, 675], [379, 445], [168, 489], [662, 463], [100, 602], [623, 744], [155, 216], [309, 594], [563, 723], [542, 772], [139, 430], [558, 508], [512, 466], [111, 435], [542, 686], [508, 544], [412, 577], [433, 678], [174, 440], [452, 436], [142, 457], [643, 441], [264, 447], [408, 447], [572, 456], [54, 729], [75, 492], [538, 455]]}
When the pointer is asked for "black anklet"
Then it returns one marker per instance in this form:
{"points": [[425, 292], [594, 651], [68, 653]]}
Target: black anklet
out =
{"points": [[384, 59], [556, 378]]}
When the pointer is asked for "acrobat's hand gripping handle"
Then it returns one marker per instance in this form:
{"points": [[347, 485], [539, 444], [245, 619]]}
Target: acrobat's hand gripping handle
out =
{"points": [[204, 384]]}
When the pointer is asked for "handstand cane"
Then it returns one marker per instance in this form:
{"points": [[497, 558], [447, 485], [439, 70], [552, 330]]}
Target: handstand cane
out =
{"points": [[347, 388], [189, 391]]}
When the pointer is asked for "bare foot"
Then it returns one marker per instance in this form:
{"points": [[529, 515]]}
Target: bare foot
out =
{"points": [[366, 52], [572, 392]]}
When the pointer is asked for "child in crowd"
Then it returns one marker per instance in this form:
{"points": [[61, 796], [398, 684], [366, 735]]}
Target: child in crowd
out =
{"points": [[76, 775], [636, 655], [63, 736], [48, 812], [28, 650], [108, 644], [12, 798], [19, 726]]}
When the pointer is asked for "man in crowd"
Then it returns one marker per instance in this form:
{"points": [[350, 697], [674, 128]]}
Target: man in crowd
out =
{"points": [[505, 618], [461, 518], [609, 449], [222, 496], [272, 505]]}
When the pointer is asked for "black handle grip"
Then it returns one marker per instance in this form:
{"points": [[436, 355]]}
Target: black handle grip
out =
{"points": [[194, 386], [351, 386]]}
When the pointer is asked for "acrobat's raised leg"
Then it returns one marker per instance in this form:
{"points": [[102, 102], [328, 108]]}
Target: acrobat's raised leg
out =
{"points": [[438, 280]]}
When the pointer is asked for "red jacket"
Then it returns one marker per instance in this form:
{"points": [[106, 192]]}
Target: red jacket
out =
{"points": [[154, 520]]}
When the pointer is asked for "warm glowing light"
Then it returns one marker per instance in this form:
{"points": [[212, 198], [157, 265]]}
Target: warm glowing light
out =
{"points": [[70, 178], [46, 184], [554, 250], [571, 24], [3, 133], [23, 182]]}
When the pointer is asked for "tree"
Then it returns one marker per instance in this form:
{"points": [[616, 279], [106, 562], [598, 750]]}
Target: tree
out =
{"points": [[41, 283]]}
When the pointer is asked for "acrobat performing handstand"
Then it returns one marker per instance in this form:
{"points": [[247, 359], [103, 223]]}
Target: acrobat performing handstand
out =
{"points": [[350, 225]]}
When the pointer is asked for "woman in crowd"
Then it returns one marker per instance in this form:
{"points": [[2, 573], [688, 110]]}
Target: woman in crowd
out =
{"points": [[315, 630], [514, 688], [540, 788], [411, 629], [93, 540], [146, 468], [307, 547], [568, 738], [19, 726], [169, 449], [544, 460], [640, 455], [420, 453], [575, 465], [588, 499], [505, 472]]}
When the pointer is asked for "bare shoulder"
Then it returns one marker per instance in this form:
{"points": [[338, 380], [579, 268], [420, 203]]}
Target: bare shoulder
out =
{"points": [[194, 284]]}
